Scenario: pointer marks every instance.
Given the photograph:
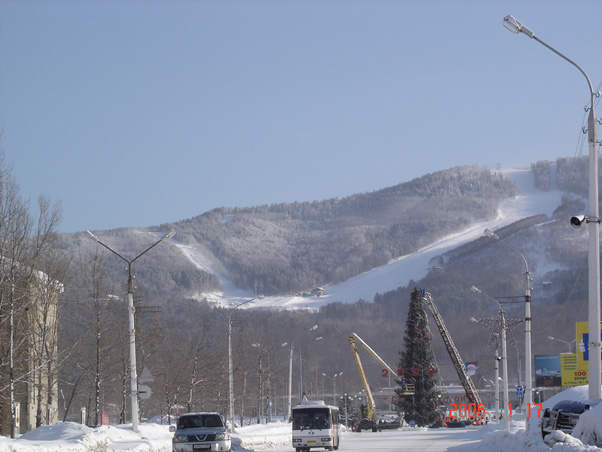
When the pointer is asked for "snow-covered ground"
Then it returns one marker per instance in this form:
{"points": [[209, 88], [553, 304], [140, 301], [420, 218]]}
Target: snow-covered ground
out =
{"points": [[276, 436], [529, 201], [529, 439]]}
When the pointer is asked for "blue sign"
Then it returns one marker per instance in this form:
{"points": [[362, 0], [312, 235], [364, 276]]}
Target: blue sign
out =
{"points": [[520, 392]]}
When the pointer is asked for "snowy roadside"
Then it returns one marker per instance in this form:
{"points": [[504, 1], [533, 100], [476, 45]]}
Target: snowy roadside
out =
{"points": [[71, 437], [521, 439]]}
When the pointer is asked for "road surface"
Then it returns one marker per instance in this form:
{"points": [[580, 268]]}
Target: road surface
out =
{"points": [[410, 440]]}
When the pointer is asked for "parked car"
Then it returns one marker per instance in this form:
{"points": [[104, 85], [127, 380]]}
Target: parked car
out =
{"points": [[200, 432], [366, 424], [564, 416]]}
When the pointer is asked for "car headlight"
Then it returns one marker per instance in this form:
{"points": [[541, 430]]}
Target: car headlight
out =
{"points": [[222, 436], [180, 438]]}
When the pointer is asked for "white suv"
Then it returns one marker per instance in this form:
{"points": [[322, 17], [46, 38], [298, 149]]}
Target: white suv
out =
{"points": [[200, 432]]}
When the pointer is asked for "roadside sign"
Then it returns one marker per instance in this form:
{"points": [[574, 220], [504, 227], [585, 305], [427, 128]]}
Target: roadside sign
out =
{"points": [[520, 392], [144, 392]]}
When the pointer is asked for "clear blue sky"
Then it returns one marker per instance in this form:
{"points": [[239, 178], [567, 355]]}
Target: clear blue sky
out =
{"points": [[137, 113]]}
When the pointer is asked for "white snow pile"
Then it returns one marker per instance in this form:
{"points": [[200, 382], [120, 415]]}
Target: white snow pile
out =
{"points": [[589, 427], [72, 437], [263, 436], [588, 431]]}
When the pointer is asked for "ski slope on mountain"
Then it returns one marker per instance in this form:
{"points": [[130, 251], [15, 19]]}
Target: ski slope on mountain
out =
{"points": [[399, 272]]}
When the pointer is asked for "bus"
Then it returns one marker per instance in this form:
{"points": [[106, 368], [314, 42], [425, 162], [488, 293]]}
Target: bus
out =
{"points": [[315, 424]]}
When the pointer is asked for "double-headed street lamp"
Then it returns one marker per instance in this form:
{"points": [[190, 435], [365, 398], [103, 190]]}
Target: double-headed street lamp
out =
{"points": [[132, 325], [504, 327], [230, 368], [334, 385], [290, 375], [528, 367], [595, 345]]}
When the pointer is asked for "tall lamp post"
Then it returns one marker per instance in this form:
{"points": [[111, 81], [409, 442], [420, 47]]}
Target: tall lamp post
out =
{"points": [[290, 376], [595, 346], [334, 385], [230, 368], [132, 325], [504, 328], [528, 366], [496, 360]]}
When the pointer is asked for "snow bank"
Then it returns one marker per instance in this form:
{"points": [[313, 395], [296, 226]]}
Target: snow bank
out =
{"points": [[72, 437], [263, 436], [589, 427], [521, 439]]}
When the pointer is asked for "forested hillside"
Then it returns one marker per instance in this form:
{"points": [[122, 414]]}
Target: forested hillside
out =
{"points": [[568, 173], [287, 248]]}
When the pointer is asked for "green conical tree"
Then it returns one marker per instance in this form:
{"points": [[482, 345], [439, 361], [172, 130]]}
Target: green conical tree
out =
{"points": [[417, 364]]}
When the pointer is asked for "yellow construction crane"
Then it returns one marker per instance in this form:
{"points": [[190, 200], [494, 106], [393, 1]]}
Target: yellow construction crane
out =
{"points": [[409, 388]]}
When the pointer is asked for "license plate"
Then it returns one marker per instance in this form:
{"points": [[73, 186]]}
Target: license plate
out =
{"points": [[311, 442], [201, 447]]}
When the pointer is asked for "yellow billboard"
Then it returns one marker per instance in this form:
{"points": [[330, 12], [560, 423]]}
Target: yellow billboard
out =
{"points": [[571, 375], [583, 345]]}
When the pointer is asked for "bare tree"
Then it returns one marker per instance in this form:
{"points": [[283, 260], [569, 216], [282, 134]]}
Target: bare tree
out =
{"points": [[95, 325], [26, 242]]}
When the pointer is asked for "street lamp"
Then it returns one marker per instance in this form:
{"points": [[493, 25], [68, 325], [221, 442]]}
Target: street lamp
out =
{"points": [[528, 367], [504, 328], [230, 368], [346, 410], [568, 344], [132, 326], [260, 399], [497, 358], [595, 345], [290, 375], [334, 385]]}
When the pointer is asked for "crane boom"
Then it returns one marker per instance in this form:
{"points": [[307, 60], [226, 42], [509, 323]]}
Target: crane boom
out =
{"points": [[469, 387], [354, 337], [371, 408], [409, 387]]}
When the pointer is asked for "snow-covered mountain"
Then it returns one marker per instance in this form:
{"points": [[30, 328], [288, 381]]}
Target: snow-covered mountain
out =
{"points": [[530, 201]]}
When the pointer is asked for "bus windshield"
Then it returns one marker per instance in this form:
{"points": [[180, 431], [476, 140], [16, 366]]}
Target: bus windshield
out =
{"points": [[311, 418]]}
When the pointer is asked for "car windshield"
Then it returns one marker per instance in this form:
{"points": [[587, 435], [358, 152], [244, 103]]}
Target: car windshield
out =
{"points": [[200, 421]]}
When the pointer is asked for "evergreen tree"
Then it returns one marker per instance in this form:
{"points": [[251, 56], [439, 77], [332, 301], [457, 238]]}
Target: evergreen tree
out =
{"points": [[417, 364]]}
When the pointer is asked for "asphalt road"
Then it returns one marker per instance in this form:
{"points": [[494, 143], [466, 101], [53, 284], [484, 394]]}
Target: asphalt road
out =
{"points": [[414, 440]]}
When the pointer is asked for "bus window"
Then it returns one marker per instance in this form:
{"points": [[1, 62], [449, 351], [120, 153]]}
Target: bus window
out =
{"points": [[311, 418]]}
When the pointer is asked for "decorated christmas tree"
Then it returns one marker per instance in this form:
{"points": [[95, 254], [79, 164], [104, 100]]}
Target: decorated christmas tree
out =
{"points": [[417, 366]]}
